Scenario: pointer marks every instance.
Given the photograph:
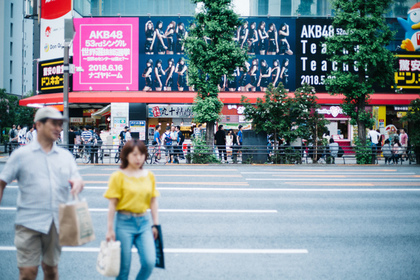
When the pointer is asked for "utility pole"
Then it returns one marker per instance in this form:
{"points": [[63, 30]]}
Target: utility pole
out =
{"points": [[68, 38]]}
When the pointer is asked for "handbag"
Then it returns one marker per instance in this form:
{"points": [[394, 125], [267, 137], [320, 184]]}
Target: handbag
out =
{"points": [[75, 223], [160, 260], [109, 258]]}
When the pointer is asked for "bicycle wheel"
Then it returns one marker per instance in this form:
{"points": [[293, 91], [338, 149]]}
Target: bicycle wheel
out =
{"points": [[85, 157], [117, 157], [411, 158]]}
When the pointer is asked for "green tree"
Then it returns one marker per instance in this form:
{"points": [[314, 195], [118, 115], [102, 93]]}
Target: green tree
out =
{"points": [[284, 116], [25, 115], [7, 109], [360, 47], [413, 119], [212, 53]]}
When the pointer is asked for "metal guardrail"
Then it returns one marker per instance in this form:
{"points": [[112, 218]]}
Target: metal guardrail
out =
{"points": [[109, 154]]}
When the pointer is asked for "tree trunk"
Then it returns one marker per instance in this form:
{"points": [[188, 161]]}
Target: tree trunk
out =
{"points": [[210, 134], [361, 131]]}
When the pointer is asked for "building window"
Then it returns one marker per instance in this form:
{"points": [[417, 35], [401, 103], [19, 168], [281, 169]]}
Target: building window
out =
{"points": [[11, 10], [11, 67], [11, 29], [263, 7], [11, 48], [11, 85]]}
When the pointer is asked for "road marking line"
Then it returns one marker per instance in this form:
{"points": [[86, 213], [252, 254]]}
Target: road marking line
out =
{"points": [[179, 210], [292, 190], [332, 171], [186, 250], [185, 183], [180, 169], [338, 179], [343, 176], [321, 170], [176, 175]]}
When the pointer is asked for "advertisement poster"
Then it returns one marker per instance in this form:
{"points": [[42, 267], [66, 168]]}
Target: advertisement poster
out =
{"points": [[407, 79], [270, 43], [107, 51], [53, 14], [51, 76], [139, 127]]}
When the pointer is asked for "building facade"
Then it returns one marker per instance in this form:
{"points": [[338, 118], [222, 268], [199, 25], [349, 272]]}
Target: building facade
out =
{"points": [[132, 97], [17, 48]]}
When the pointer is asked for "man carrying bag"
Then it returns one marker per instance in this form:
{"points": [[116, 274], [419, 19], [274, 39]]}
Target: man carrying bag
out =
{"points": [[46, 174]]}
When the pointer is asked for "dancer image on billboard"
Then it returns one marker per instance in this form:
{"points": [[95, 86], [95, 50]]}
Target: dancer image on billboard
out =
{"points": [[284, 74], [150, 37], [273, 46], [147, 75], [243, 72], [252, 39], [158, 75], [243, 34], [169, 77], [169, 34], [180, 38], [264, 78], [263, 37], [222, 85], [275, 73], [253, 74], [233, 84], [160, 35], [181, 70], [284, 44]]}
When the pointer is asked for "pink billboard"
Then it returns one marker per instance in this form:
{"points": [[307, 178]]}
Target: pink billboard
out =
{"points": [[107, 51]]}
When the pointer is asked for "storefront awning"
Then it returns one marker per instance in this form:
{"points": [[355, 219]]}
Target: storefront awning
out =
{"points": [[102, 112], [188, 97]]}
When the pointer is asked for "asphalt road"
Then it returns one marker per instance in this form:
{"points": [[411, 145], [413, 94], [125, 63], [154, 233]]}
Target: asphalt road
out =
{"points": [[262, 222]]}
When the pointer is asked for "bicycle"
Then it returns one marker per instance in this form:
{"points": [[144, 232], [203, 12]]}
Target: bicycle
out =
{"points": [[411, 156], [101, 155], [117, 155], [152, 154], [84, 155]]}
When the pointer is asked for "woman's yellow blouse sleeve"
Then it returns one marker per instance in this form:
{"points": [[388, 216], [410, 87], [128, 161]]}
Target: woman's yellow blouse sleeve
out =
{"points": [[114, 186], [155, 192]]}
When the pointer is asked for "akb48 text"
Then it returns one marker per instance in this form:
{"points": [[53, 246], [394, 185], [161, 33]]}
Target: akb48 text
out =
{"points": [[96, 34]]}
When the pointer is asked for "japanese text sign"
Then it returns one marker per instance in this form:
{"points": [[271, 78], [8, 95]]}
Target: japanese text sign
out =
{"points": [[408, 72], [50, 77], [170, 111], [107, 50]]}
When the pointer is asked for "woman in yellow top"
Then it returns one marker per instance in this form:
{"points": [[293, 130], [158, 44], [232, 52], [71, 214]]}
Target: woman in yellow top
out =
{"points": [[131, 191]]}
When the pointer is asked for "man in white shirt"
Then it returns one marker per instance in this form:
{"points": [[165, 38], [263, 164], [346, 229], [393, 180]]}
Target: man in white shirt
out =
{"points": [[45, 174]]}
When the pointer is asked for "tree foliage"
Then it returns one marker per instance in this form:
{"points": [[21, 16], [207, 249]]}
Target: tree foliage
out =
{"points": [[361, 57], [212, 53], [287, 117], [413, 118], [12, 113]]}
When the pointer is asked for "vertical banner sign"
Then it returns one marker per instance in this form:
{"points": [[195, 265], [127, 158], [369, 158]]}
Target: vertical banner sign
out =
{"points": [[53, 13], [51, 76], [408, 76], [312, 65], [107, 50]]}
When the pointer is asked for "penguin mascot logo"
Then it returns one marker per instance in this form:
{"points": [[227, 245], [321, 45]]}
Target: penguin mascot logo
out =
{"points": [[412, 29]]}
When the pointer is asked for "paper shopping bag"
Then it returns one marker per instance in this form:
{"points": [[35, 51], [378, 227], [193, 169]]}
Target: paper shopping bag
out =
{"points": [[109, 259], [160, 260], [75, 223]]}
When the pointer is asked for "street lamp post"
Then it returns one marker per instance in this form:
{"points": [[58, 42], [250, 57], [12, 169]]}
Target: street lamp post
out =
{"points": [[68, 38], [66, 93]]}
